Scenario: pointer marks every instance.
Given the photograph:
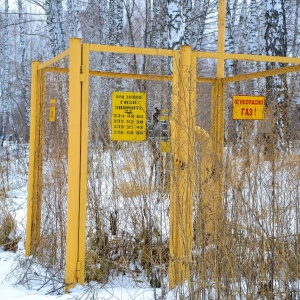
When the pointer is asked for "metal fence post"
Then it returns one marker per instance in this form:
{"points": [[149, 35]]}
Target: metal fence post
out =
{"points": [[74, 168], [182, 181], [35, 178]]}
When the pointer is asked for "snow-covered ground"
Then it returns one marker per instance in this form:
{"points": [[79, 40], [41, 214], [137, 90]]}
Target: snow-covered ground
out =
{"points": [[120, 289], [15, 182]]}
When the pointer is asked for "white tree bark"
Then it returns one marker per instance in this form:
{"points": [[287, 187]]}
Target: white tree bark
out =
{"points": [[276, 45], [253, 27], [175, 27], [199, 17], [54, 13], [262, 27], [187, 17], [5, 95], [242, 29], [156, 27], [25, 73], [115, 36], [229, 44]]}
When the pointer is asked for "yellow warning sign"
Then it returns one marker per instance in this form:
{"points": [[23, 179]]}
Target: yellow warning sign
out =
{"points": [[129, 122], [52, 110], [248, 107]]}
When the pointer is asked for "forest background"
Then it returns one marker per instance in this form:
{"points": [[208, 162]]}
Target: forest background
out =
{"points": [[39, 30], [128, 216]]}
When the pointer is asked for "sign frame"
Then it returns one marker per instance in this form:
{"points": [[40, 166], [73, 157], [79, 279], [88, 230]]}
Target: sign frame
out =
{"points": [[129, 116], [248, 107]]}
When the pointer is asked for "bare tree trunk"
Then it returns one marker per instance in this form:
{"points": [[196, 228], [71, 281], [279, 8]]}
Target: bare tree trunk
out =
{"points": [[5, 73], [199, 17], [277, 102], [174, 23], [53, 10], [25, 71], [187, 17]]}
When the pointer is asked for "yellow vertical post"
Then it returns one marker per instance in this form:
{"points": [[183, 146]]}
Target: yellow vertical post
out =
{"points": [[74, 164], [218, 91], [35, 180], [190, 103], [221, 38], [36, 226], [84, 160], [174, 205], [217, 121], [182, 181], [34, 106]]}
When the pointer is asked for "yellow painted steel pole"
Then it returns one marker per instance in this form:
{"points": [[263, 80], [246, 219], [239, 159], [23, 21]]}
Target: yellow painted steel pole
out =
{"points": [[217, 124], [36, 232], [190, 168], [74, 164], [34, 104], [182, 178], [221, 38], [84, 160], [217, 96], [36, 168], [174, 206]]}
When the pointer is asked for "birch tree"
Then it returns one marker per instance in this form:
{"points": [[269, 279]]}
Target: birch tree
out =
{"points": [[103, 26], [229, 43], [242, 30], [25, 73], [73, 19], [187, 17], [54, 13], [116, 36], [277, 102], [174, 24], [234, 134], [155, 40], [199, 17], [253, 28], [5, 76], [261, 16]]}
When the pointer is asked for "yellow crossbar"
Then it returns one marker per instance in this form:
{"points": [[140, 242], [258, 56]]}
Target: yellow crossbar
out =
{"points": [[131, 50], [54, 59], [249, 57]]}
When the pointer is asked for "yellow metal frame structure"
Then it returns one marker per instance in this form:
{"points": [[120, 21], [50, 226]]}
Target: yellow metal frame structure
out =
{"points": [[183, 135]]}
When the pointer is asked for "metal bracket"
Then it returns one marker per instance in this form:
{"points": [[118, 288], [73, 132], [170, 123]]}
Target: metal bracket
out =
{"points": [[180, 163]]}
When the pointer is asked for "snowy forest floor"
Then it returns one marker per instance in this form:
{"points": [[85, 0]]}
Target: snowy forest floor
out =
{"points": [[14, 171]]}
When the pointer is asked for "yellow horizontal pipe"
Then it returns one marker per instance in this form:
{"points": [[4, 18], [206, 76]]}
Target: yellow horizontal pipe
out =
{"points": [[166, 52], [206, 79], [250, 57], [54, 59], [241, 77], [131, 50], [266, 73], [126, 75], [56, 70], [131, 75], [263, 58], [142, 76]]}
